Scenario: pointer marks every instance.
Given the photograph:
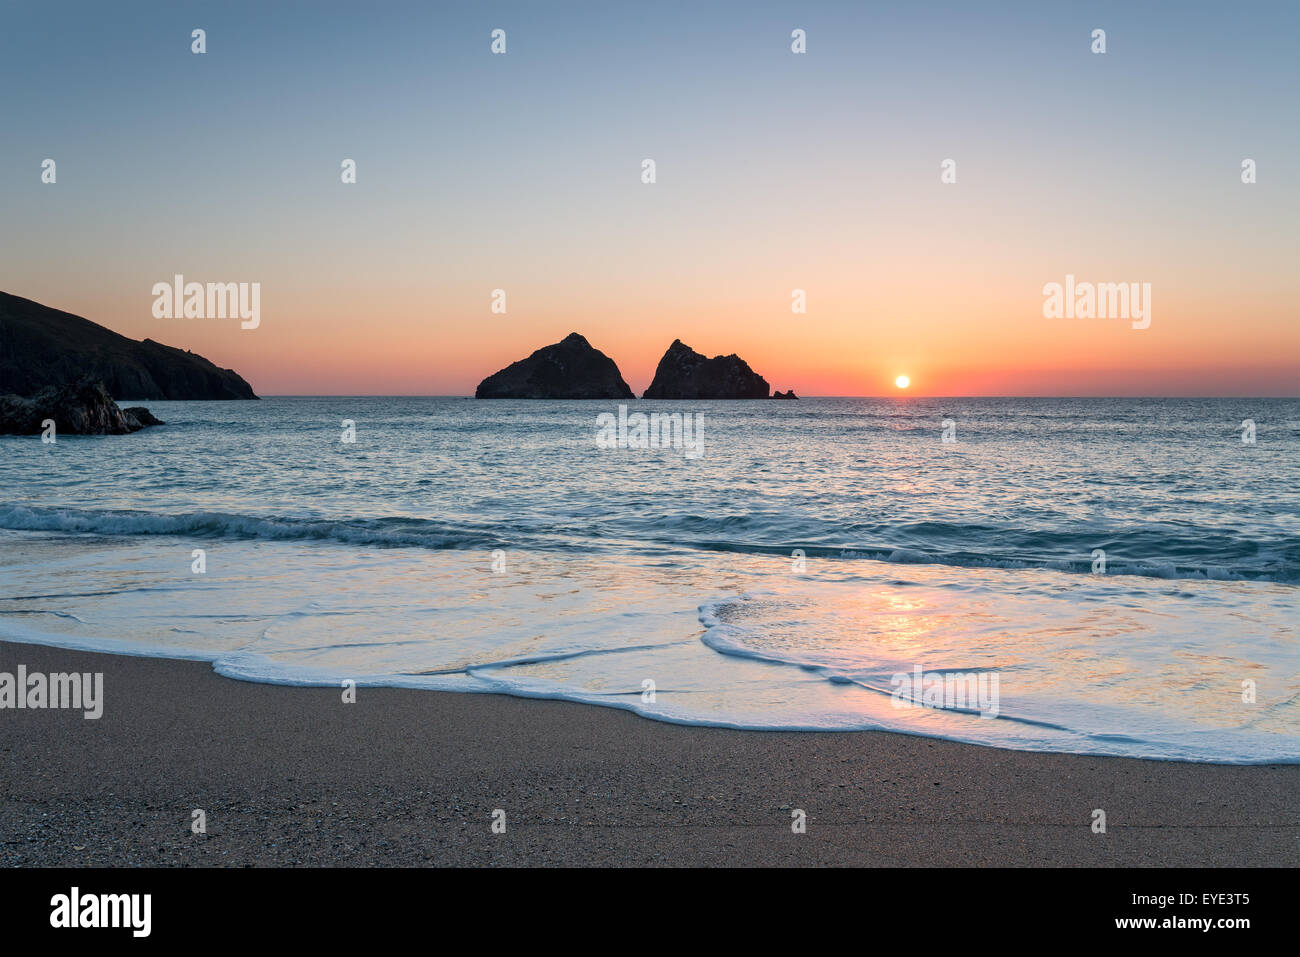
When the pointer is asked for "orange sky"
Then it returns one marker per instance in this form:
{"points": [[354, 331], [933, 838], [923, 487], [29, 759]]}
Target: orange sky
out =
{"points": [[955, 339]]}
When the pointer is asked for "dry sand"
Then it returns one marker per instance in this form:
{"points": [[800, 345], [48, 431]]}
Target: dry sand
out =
{"points": [[292, 776]]}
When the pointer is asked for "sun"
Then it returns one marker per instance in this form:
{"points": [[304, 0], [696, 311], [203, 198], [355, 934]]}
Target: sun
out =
{"points": [[902, 382]]}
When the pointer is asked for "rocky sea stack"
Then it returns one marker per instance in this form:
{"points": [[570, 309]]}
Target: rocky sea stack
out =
{"points": [[83, 407], [570, 369], [685, 374], [41, 347]]}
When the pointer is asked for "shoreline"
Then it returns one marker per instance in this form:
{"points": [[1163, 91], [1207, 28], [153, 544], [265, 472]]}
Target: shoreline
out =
{"points": [[292, 776]]}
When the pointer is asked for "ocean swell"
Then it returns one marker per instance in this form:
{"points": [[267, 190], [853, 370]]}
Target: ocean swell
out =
{"points": [[1169, 554]]}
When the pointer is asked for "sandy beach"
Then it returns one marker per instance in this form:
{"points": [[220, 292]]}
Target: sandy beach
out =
{"points": [[293, 776]]}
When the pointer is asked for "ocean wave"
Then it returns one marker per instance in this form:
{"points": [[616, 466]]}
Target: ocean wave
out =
{"points": [[384, 532], [1270, 570], [1183, 553]]}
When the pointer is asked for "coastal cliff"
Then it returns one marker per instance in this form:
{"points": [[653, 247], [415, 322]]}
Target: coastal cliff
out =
{"points": [[42, 347]]}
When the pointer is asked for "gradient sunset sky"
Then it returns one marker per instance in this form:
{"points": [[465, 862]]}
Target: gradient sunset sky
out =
{"points": [[776, 171]]}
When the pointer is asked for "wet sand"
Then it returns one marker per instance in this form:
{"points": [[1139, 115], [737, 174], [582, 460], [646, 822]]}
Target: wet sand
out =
{"points": [[293, 776]]}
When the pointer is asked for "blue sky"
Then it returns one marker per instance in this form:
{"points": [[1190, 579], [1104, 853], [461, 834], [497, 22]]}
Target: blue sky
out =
{"points": [[520, 171]]}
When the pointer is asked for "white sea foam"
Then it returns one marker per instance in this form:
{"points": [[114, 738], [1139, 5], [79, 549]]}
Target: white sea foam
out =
{"points": [[724, 640]]}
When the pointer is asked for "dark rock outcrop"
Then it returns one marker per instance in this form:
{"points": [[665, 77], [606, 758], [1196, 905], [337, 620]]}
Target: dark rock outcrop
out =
{"points": [[685, 374], [83, 407], [40, 346], [784, 395], [143, 416], [570, 369]]}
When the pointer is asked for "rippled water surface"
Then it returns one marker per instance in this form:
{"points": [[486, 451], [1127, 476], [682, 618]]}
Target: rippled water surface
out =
{"points": [[781, 579]]}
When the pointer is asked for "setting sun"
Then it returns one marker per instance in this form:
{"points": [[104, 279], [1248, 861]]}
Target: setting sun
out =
{"points": [[902, 382]]}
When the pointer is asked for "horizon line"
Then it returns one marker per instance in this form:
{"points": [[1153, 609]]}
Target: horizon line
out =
{"points": [[450, 395]]}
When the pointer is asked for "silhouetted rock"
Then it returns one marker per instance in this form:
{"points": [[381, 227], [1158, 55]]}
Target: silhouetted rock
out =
{"points": [[143, 416], [40, 346], [685, 374], [784, 395], [570, 369], [83, 407]]}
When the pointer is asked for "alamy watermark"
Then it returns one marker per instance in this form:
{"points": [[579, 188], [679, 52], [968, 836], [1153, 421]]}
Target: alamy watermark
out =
{"points": [[179, 299], [683, 431], [36, 691], [954, 690], [1101, 300], [76, 909]]}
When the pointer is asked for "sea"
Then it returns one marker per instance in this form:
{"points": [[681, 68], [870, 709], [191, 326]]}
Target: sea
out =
{"points": [[1095, 576]]}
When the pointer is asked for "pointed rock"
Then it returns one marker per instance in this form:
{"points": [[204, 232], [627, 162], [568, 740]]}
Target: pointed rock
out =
{"points": [[685, 374], [569, 369]]}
